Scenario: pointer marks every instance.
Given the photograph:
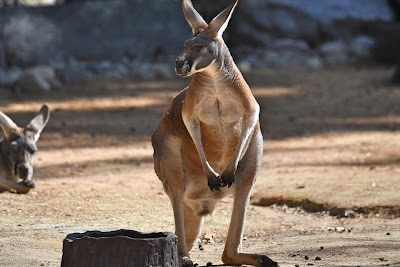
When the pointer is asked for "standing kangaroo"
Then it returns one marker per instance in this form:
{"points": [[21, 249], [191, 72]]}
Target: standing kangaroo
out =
{"points": [[17, 151], [208, 144]]}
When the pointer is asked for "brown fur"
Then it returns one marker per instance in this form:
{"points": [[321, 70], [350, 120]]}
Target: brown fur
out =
{"points": [[208, 143]]}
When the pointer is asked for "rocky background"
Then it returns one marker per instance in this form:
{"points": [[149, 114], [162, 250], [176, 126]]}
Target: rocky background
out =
{"points": [[44, 47]]}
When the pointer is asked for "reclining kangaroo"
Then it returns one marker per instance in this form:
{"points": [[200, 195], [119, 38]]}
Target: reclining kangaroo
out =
{"points": [[208, 143], [17, 151]]}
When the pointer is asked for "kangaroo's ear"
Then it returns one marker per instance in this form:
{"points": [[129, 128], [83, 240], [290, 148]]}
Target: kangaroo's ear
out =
{"points": [[7, 126], [220, 22], [193, 17], [37, 124]]}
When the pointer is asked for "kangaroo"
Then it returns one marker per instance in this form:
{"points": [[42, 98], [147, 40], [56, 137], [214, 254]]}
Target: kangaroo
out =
{"points": [[208, 143], [17, 150]]}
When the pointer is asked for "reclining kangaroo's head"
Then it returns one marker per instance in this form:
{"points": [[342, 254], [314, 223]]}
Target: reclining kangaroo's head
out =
{"points": [[18, 146], [206, 45]]}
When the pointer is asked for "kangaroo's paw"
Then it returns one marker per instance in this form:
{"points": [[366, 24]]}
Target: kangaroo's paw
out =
{"points": [[186, 262], [214, 183], [227, 178], [28, 183], [267, 262]]}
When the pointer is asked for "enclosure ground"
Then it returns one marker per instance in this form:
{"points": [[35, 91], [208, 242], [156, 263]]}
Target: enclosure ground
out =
{"points": [[331, 144]]}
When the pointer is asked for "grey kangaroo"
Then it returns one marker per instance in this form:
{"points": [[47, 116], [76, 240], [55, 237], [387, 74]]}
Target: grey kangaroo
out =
{"points": [[17, 151]]}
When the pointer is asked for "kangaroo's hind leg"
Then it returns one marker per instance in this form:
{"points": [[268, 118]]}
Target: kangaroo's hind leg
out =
{"points": [[168, 167], [244, 180], [193, 224]]}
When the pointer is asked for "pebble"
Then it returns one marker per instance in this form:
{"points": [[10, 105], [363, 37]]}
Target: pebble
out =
{"points": [[317, 258], [306, 257], [321, 248], [209, 263], [340, 229]]}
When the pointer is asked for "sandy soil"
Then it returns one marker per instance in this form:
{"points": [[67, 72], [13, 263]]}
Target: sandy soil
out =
{"points": [[329, 186]]}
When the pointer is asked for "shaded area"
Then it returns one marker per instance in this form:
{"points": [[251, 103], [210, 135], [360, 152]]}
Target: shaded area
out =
{"points": [[293, 103], [311, 206], [81, 169]]}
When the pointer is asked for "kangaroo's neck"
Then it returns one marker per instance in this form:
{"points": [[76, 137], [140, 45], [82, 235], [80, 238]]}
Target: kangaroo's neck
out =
{"points": [[222, 70], [5, 170]]}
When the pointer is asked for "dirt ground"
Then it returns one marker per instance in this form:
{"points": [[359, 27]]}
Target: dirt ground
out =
{"points": [[329, 186]]}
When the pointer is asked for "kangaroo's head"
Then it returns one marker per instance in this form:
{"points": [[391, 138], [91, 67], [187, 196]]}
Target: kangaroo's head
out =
{"points": [[18, 146], [206, 45]]}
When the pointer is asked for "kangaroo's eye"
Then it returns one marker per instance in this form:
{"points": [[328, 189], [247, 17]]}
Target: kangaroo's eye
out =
{"points": [[14, 145], [200, 48], [31, 150]]}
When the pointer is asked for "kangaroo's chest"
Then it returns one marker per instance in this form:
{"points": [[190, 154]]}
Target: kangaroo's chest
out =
{"points": [[218, 110]]}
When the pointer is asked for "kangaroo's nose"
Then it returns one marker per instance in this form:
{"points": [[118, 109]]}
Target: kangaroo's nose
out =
{"points": [[179, 64], [23, 171]]}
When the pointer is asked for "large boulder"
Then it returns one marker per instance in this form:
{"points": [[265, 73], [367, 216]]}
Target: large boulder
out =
{"points": [[262, 20], [100, 36], [37, 80], [93, 31]]}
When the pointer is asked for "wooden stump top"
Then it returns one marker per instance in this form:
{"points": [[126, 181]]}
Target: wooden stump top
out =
{"points": [[122, 248]]}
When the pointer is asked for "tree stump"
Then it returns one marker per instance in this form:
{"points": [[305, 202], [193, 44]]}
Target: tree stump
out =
{"points": [[121, 248]]}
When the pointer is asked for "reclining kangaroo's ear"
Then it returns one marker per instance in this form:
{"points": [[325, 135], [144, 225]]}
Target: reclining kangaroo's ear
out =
{"points": [[193, 17], [37, 124], [218, 25], [7, 126]]}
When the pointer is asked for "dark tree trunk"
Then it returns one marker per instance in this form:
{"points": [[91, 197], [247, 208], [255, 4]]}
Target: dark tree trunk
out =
{"points": [[395, 6], [396, 75], [120, 248]]}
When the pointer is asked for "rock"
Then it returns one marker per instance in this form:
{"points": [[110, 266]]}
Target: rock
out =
{"points": [[121, 69], [282, 20], [244, 66], [335, 52], [340, 229], [163, 71], [328, 10], [141, 71], [287, 57], [287, 43], [37, 79], [349, 214], [289, 29], [9, 76], [73, 73], [314, 62], [361, 46], [119, 29], [333, 48], [208, 238]]}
